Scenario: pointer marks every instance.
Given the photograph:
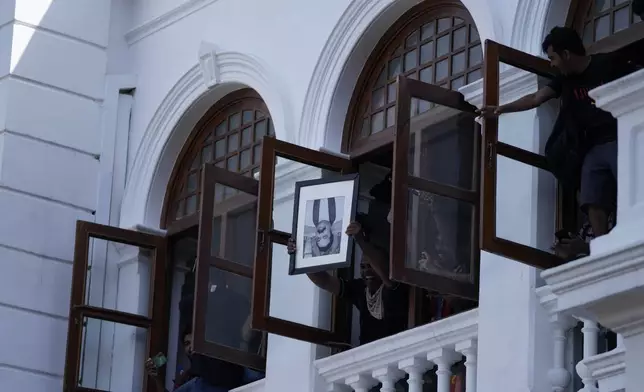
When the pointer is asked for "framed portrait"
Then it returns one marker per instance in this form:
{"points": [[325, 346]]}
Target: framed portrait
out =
{"points": [[323, 210]]}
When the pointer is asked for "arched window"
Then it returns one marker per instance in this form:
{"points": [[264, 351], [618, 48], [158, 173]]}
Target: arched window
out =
{"points": [[230, 135], [436, 42], [599, 19]]}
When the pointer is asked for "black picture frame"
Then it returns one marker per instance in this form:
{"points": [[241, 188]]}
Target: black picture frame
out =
{"points": [[345, 256]]}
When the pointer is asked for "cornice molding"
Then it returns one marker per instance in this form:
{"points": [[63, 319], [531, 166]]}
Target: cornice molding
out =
{"points": [[621, 96], [514, 83], [230, 68], [414, 343], [529, 23], [165, 20]]}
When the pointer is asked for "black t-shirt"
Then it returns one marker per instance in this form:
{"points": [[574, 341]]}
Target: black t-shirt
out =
{"points": [[395, 308], [598, 126]]}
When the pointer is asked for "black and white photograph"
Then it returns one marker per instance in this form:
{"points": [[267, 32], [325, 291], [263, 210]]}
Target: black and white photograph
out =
{"points": [[323, 209]]}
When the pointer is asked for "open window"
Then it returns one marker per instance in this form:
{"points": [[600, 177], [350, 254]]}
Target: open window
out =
{"points": [[272, 238], [435, 190], [503, 157], [136, 328], [224, 269]]}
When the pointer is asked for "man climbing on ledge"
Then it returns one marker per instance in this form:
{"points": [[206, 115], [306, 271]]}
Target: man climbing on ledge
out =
{"points": [[585, 136]]}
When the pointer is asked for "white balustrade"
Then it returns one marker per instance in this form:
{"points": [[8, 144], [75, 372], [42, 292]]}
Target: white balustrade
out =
{"points": [[412, 353]]}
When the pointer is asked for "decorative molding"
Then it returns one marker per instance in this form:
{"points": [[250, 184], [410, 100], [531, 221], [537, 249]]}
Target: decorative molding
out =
{"points": [[355, 23], [609, 369], [621, 96], [514, 83], [208, 63], [234, 68], [414, 343], [167, 19], [529, 25]]}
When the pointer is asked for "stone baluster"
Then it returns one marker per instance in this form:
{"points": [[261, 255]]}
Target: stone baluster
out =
{"points": [[590, 332], [415, 368], [388, 376], [469, 350], [444, 359], [559, 376], [361, 383]]}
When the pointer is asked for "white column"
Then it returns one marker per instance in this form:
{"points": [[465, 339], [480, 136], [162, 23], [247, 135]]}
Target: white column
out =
{"points": [[360, 382], [415, 368], [590, 331], [388, 376], [444, 359], [468, 349], [559, 376]]}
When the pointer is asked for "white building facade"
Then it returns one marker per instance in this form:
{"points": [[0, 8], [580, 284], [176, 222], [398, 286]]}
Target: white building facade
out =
{"points": [[177, 129]]}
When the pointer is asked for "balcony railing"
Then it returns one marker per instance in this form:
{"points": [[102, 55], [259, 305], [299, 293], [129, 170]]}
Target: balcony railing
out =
{"points": [[378, 366]]}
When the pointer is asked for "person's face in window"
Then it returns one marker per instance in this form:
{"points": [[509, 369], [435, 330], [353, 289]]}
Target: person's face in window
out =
{"points": [[561, 61], [187, 344], [371, 279], [324, 235]]}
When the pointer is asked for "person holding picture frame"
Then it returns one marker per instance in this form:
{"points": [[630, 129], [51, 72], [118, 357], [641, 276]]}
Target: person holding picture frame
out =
{"points": [[381, 303]]}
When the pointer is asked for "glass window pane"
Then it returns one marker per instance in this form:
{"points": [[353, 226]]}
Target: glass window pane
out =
{"points": [[442, 70], [233, 142], [220, 148], [260, 130], [441, 147], [377, 122], [230, 294], [257, 154], [394, 68], [135, 262], [391, 116], [247, 116], [180, 208], [247, 136], [222, 128], [410, 60], [474, 34], [244, 159], [412, 40], [442, 46], [439, 237], [127, 343], [459, 38], [382, 77], [206, 154], [191, 205], [427, 52], [444, 24], [235, 121], [427, 31], [476, 55], [378, 98], [241, 224], [458, 63], [391, 92], [601, 5], [427, 75], [622, 19], [474, 76], [231, 163], [458, 83], [602, 27], [192, 182]]}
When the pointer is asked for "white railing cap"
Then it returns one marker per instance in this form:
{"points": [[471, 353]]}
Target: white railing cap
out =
{"points": [[417, 342]]}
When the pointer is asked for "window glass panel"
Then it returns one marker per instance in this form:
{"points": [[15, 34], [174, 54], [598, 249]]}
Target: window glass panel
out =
{"points": [[231, 163], [441, 147], [247, 136], [378, 98], [442, 46], [235, 121], [233, 142], [602, 27], [377, 122], [444, 24], [427, 75], [191, 205], [260, 130], [458, 83], [124, 360], [206, 154], [257, 154], [621, 20], [391, 116], [460, 38], [442, 70], [220, 148], [192, 182], [412, 40], [230, 294], [427, 52], [222, 128], [410, 60], [247, 116], [476, 55], [601, 5], [458, 63], [394, 68], [474, 76], [135, 266], [474, 34], [391, 93], [245, 159], [427, 31], [281, 302], [439, 237]]}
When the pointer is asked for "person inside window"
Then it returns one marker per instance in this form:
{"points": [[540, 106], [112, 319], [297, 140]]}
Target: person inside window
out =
{"points": [[205, 374], [595, 129], [382, 304]]}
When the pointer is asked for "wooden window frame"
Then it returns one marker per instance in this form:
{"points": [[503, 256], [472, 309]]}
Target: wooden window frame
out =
{"points": [[211, 176], [338, 336], [402, 181], [155, 324], [495, 54]]}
